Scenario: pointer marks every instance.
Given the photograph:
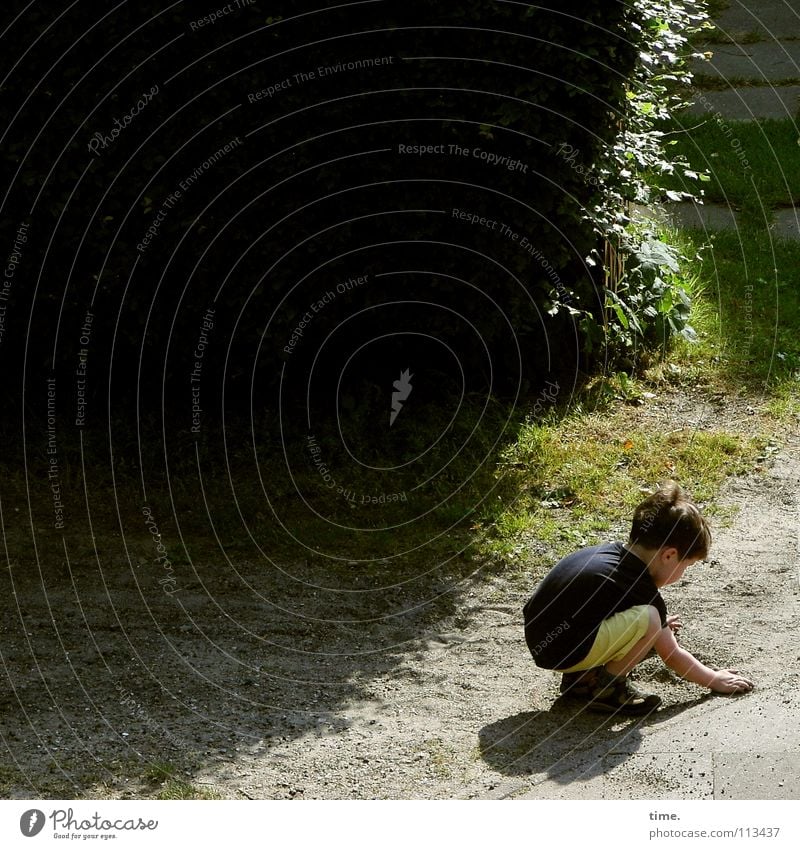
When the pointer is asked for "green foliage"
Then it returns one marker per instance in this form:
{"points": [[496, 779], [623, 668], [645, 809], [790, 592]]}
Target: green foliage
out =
{"points": [[650, 304], [633, 167], [646, 305]]}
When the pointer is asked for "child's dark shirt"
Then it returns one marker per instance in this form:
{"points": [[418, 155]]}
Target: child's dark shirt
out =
{"points": [[563, 616]]}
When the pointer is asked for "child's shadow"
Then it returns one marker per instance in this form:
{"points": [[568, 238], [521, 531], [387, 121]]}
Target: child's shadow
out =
{"points": [[567, 743]]}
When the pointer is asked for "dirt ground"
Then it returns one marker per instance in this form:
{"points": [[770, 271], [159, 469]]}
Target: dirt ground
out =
{"points": [[258, 681]]}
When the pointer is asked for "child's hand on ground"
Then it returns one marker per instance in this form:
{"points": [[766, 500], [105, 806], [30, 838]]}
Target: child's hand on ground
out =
{"points": [[674, 623], [730, 681]]}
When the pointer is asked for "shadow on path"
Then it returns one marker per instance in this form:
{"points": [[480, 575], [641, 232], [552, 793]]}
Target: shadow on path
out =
{"points": [[567, 743]]}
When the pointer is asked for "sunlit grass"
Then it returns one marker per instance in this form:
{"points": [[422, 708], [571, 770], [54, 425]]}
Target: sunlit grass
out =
{"points": [[746, 313], [752, 165], [580, 477]]}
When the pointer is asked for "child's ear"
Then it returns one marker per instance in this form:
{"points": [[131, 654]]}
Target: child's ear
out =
{"points": [[670, 553]]}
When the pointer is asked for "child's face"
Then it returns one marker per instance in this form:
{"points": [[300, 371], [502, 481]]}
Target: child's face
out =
{"points": [[668, 567]]}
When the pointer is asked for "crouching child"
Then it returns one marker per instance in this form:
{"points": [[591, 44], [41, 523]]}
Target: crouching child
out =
{"points": [[599, 611]]}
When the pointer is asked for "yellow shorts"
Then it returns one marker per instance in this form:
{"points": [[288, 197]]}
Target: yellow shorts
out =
{"points": [[617, 636]]}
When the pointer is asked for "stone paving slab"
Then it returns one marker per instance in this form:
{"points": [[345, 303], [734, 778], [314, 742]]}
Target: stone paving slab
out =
{"points": [[771, 19], [713, 218], [786, 223], [574, 784], [695, 216], [757, 776], [748, 103], [769, 775], [725, 748], [666, 775], [675, 775], [762, 62], [763, 721]]}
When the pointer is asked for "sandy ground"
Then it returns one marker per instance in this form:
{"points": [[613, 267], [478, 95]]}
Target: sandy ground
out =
{"points": [[257, 682], [243, 686]]}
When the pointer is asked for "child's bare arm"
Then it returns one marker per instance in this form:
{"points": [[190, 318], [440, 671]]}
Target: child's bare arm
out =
{"points": [[687, 666]]}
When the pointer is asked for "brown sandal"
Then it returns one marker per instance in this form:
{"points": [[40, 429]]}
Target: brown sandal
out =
{"points": [[616, 694], [580, 684]]}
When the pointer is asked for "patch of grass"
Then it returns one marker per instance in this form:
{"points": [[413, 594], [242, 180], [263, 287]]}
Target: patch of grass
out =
{"points": [[786, 403], [753, 165], [10, 778], [746, 313], [165, 782], [159, 771], [583, 475], [67, 778], [178, 789], [723, 516], [439, 759]]}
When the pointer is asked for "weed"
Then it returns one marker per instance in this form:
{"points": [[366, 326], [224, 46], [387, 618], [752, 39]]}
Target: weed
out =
{"points": [[159, 771], [178, 789]]}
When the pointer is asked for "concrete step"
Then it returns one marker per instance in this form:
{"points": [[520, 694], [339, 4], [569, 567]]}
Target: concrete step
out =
{"points": [[762, 62], [716, 217], [786, 223], [748, 103], [694, 216], [770, 19]]}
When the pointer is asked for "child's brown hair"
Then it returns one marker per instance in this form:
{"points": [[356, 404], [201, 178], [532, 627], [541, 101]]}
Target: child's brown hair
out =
{"points": [[668, 518]]}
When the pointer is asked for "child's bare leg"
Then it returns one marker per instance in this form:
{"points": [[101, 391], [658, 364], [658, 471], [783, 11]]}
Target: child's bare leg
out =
{"points": [[640, 650]]}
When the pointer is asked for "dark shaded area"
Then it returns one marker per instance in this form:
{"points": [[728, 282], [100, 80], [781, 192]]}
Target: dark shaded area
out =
{"points": [[205, 192], [226, 237], [127, 679]]}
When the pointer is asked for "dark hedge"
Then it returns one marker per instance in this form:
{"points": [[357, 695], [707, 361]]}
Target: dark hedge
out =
{"points": [[242, 207]]}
